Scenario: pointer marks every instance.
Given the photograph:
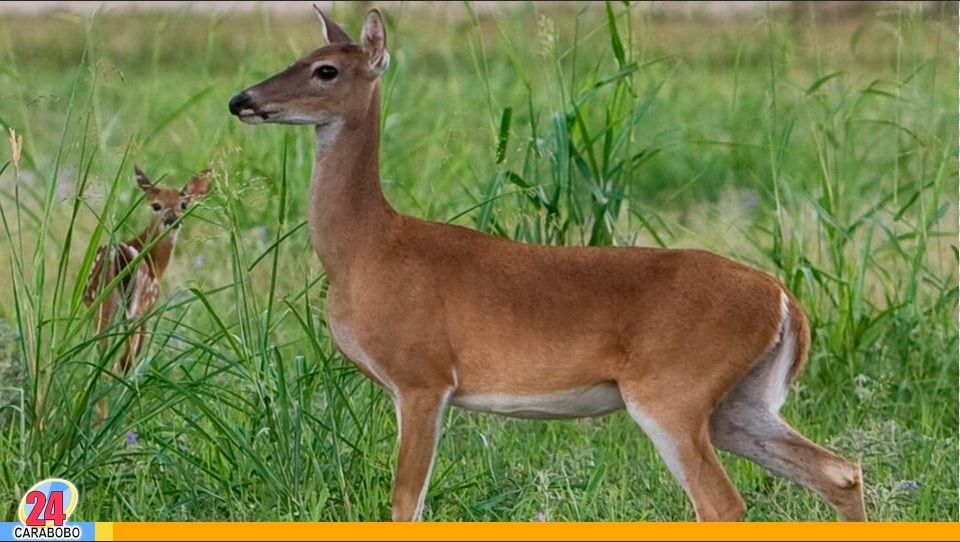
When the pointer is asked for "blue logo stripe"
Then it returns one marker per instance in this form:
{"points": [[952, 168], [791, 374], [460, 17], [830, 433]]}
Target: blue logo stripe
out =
{"points": [[9, 530]]}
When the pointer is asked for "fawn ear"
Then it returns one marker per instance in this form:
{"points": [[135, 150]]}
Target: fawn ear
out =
{"points": [[332, 32], [373, 37], [198, 185], [143, 181]]}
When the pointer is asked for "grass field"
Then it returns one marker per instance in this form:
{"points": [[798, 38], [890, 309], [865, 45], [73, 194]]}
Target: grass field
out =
{"points": [[824, 152]]}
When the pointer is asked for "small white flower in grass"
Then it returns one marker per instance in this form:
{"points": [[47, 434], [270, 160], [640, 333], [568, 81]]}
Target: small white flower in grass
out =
{"points": [[750, 202], [909, 485], [541, 517], [546, 35], [16, 148], [862, 387]]}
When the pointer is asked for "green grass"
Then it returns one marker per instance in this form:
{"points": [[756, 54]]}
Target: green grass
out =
{"points": [[823, 152]]}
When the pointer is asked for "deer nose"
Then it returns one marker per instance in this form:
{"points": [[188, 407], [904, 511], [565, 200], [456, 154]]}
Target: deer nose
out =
{"points": [[240, 102]]}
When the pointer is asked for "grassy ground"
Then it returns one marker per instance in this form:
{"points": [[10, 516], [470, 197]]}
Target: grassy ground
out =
{"points": [[823, 152]]}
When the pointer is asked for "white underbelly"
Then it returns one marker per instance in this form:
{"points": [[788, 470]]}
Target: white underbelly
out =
{"points": [[574, 403]]}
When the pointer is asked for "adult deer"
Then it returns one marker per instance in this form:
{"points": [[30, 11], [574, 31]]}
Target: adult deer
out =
{"points": [[137, 290], [700, 350]]}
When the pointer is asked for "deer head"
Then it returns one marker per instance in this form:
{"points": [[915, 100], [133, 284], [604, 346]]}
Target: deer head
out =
{"points": [[170, 203], [321, 87]]}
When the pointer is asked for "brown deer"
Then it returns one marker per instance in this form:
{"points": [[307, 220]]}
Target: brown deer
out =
{"points": [[699, 350], [135, 293]]}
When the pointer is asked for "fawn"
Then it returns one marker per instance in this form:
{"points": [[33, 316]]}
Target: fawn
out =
{"points": [[136, 292], [698, 349]]}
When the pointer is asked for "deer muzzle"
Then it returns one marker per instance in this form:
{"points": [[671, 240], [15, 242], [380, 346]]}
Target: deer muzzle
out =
{"points": [[244, 108]]}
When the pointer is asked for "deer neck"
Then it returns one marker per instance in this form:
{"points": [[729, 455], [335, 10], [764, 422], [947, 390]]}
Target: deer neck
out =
{"points": [[159, 255], [348, 215]]}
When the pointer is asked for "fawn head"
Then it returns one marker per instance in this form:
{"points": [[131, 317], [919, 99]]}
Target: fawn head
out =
{"points": [[323, 86], [170, 203]]}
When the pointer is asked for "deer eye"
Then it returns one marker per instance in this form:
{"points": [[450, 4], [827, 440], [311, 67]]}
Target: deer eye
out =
{"points": [[156, 206], [325, 72]]}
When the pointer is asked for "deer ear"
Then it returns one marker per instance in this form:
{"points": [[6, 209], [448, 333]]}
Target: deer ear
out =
{"points": [[143, 181], [198, 185], [332, 32], [373, 37]]}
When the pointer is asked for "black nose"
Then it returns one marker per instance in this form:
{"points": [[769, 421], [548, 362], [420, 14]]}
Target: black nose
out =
{"points": [[239, 102]]}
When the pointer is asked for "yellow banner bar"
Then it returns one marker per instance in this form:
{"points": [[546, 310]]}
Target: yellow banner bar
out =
{"points": [[103, 531], [528, 531]]}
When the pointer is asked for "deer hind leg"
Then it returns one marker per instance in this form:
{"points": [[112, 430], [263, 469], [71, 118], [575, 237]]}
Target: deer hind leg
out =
{"points": [[143, 295], [102, 321], [747, 422], [102, 411], [419, 414], [133, 347], [682, 440], [134, 343]]}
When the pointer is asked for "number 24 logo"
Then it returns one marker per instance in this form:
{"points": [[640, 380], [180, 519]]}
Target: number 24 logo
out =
{"points": [[48, 503]]}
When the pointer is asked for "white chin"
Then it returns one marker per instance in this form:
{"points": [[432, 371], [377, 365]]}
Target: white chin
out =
{"points": [[251, 118], [279, 118]]}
